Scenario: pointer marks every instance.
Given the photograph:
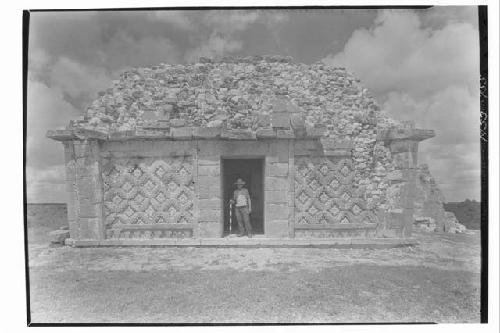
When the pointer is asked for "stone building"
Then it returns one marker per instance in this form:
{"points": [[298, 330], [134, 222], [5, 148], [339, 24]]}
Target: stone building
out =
{"points": [[154, 158]]}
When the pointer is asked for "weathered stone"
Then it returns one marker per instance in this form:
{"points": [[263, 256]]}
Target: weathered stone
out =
{"points": [[276, 196], [209, 170], [206, 133], [280, 120], [285, 134], [177, 122], [209, 229], [238, 134], [58, 236], [182, 133], [209, 204], [277, 169], [277, 211], [210, 215], [277, 228], [276, 184], [265, 133]]}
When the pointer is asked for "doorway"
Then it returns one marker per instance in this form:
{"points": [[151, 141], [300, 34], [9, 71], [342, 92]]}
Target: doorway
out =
{"points": [[251, 170]]}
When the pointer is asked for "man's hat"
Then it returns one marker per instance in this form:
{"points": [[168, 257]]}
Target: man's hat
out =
{"points": [[240, 181]]}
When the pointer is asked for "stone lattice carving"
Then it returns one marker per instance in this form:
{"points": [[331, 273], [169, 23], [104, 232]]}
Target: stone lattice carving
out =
{"points": [[324, 193], [148, 191]]}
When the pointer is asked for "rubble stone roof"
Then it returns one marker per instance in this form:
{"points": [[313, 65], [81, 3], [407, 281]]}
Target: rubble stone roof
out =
{"points": [[251, 93]]}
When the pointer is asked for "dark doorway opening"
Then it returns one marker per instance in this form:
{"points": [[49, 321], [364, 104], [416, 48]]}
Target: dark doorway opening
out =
{"points": [[251, 170]]}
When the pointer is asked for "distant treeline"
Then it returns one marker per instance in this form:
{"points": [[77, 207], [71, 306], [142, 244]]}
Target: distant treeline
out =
{"points": [[468, 212]]}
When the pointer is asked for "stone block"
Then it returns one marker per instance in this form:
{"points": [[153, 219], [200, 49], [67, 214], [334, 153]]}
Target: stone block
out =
{"points": [[58, 236], [209, 160], [314, 132], [395, 176], [150, 116], [285, 134], [89, 228], [210, 215], [280, 120], [209, 229], [276, 196], [207, 192], [209, 170], [238, 134], [276, 228], [182, 133], [206, 132], [177, 122], [208, 181], [276, 212], [209, 204], [89, 209], [277, 169], [276, 184], [265, 133]]}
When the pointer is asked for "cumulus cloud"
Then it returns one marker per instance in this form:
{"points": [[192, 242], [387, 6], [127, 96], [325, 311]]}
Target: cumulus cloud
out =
{"points": [[222, 38], [79, 83], [399, 54], [214, 47], [125, 51], [427, 72]]}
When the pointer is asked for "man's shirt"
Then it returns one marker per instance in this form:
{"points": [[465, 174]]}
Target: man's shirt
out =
{"points": [[242, 197]]}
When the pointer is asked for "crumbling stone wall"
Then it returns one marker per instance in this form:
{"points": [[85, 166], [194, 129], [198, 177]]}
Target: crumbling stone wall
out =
{"points": [[251, 98], [429, 209]]}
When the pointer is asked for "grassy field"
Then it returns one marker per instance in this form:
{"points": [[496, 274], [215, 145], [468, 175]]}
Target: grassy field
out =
{"points": [[436, 281]]}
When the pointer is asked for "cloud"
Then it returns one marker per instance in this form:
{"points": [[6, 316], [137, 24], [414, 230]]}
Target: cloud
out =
{"points": [[229, 22], [398, 54], [426, 68], [46, 109], [440, 16], [124, 51], [215, 46], [220, 35], [452, 111], [78, 83], [176, 18]]}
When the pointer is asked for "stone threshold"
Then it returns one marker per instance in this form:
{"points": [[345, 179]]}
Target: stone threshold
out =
{"points": [[249, 242]]}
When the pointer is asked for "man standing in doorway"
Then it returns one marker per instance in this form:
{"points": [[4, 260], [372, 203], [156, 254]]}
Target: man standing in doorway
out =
{"points": [[243, 208]]}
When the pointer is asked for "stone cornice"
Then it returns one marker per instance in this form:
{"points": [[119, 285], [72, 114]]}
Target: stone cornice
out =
{"points": [[396, 134], [186, 133]]}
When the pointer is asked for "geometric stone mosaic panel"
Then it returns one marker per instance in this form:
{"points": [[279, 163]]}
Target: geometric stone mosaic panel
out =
{"points": [[324, 193], [148, 191]]}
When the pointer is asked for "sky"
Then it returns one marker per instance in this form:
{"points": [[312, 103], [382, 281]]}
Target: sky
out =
{"points": [[421, 65]]}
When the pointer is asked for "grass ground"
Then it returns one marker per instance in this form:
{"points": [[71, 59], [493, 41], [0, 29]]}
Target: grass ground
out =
{"points": [[437, 281]]}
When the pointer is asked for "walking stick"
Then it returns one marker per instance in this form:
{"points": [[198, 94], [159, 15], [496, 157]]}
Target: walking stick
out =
{"points": [[230, 217]]}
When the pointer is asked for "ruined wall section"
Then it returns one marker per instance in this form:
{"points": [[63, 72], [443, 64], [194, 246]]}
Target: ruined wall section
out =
{"points": [[429, 213]]}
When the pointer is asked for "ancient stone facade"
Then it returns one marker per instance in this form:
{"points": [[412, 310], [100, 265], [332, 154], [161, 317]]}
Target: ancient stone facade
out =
{"points": [[147, 160]]}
